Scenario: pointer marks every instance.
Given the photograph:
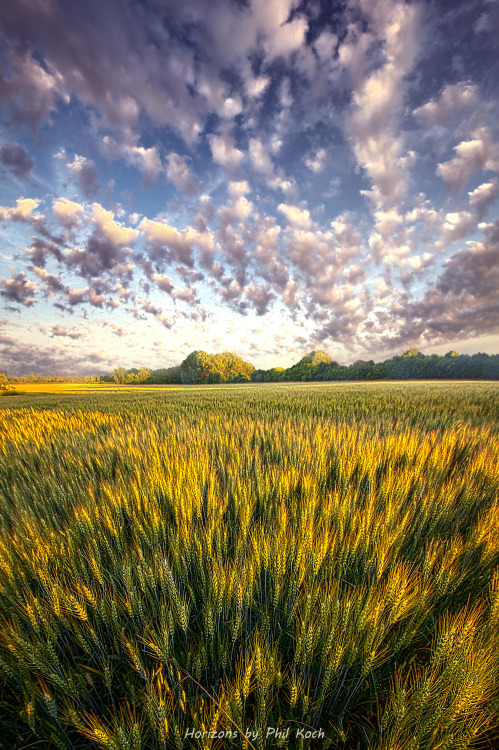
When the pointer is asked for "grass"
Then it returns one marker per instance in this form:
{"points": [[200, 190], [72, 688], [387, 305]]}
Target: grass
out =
{"points": [[232, 559]]}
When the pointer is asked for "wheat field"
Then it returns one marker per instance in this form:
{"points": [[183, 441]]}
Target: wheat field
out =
{"points": [[251, 567]]}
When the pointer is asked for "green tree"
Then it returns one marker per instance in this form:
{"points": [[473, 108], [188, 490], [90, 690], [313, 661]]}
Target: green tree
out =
{"points": [[143, 374], [413, 353], [4, 383], [119, 375], [201, 367], [315, 358]]}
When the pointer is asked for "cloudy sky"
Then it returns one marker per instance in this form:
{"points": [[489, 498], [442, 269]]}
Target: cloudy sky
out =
{"points": [[260, 176]]}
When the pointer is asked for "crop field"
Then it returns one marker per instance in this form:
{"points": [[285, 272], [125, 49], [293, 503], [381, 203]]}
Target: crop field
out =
{"points": [[250, 567]]}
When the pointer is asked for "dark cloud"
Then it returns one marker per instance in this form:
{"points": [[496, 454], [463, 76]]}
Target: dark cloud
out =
{"points": [[30, 91], [474, 271], [21, 358], [188, 295], [52, 284], [16, 160], [179, 172], [189, 275], [18, 289], [260, 296], [462, 303], [65, 331], [232, 92], [85, 175], [41, 249]]}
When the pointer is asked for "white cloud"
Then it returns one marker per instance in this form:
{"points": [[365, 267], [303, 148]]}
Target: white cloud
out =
{"points": [[255, 86], [325, 45], [377, 102], [85, 175], [146, 160], [297, 217], [260, 159], [22, 212], [479, 153], [179, 172], [453, 101], [317, 162], [67, 211], [459, 224], [224, 151], [114, 232], [483, 197], [286, 39], [239, 188]]}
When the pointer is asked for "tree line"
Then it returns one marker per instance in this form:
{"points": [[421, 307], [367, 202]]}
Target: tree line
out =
{"points": [[200, 367]]}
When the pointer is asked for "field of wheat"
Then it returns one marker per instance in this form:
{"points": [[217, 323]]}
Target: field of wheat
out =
{"points": [[251, 568]]}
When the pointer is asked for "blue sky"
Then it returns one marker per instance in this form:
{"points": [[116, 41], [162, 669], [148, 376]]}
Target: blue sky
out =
{"points": [[264, 177]]}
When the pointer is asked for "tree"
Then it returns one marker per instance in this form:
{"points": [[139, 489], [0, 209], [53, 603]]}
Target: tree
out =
{"points": [[143, 374], [201, 367], [315, 358], [119, 375], [4, 383]]}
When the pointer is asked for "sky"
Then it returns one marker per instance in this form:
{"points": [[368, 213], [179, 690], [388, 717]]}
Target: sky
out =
{"points": [[265, 177]]}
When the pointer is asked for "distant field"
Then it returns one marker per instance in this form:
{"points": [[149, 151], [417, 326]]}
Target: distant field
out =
{"points": [[77, 388], [256, 561], [70, 388]]}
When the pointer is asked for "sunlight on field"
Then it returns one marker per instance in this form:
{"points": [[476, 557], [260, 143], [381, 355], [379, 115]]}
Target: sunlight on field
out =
{"points": [[234, 559], [79, 388], [71, 388]]}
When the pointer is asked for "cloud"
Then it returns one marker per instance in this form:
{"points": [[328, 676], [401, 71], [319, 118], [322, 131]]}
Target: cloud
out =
{"points": [[325, 45], [317, 162], [151, 309], [115, 233], [260, 297], [483, 197], [461, 303], [162, 237], [22, 357], [18, 289], [297, 217], [147, 160], [188, 295], [286, 39], [260, 159], [22, 212], [53, 284], [459, 224], [238, 209], [178, 172], [166, 243], [474, 272], [67, 212], [237, 189], [377, 101], [455, 99], [222, 103], [85, 175], [224, 151], [32, 91], [165, 283], [66, 331], [16, 160], [107, 248], [41, 249], [255, 86], [478, 154]]}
